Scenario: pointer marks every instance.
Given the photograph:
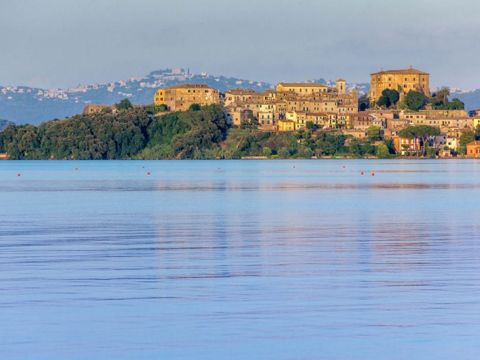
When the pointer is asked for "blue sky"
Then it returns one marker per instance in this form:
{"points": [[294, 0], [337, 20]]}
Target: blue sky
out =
{"points": [[60, 43]]}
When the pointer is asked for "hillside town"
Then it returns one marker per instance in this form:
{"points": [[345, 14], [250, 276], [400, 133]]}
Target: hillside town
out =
{"points": [[397, 99]]}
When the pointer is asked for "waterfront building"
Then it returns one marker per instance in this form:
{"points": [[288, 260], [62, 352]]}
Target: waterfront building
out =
{"points": [[181, 97], [452, 143], [403, 81], [473, 149], [405, 145]]}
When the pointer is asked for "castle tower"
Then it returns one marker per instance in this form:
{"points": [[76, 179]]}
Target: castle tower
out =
{"points": [[341, 86]]}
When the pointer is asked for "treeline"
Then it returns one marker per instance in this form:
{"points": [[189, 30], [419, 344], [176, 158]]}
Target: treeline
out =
{"points": [[127, 134], [200, 133], [302, 144], [415, 100]]}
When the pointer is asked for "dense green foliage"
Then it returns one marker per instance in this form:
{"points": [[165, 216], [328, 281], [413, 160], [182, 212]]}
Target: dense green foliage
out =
{"points": [[363, 103], [301, 144], [440, 101], [374, 133], [389, 98], [125, 104], [465, 138], [200, 133], [128, 134], [99, 136], [195, 107], [415, 100], [186, 135]]}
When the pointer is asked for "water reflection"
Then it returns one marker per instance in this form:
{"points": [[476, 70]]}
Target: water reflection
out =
{"points": [[257, 260]]}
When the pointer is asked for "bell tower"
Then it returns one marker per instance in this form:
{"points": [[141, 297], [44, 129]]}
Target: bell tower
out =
{"points": [[341, 86]]}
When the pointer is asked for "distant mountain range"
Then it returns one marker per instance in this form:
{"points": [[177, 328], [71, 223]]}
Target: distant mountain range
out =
{"points": [[22, 104]]}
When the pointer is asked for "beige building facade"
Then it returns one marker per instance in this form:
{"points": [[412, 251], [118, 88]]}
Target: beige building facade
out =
{"points": [[403, 81], [181, 97]]}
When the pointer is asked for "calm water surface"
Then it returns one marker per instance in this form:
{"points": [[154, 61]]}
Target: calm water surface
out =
{"points": [[255, 260]]}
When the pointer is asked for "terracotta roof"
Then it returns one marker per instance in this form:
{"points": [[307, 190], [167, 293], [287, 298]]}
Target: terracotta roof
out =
{"points": [[241, 91], [302, 84], [401, 71], [190, 86], [476, 143]]}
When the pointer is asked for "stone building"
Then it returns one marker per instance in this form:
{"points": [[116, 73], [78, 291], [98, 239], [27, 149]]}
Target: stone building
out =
{"points": [[401, 80], [236, 116], [181, 97], [473, 149], [95, 108], [302, 89]]}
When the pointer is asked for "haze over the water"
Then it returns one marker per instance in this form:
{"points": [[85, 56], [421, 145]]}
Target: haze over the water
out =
{"points": [[61, 43]]}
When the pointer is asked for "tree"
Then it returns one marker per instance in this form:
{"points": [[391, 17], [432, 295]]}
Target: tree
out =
{"points": [[388, 98], [415, 100], [456, 104], [383, 101], [440, 101], [125, 104], [250, 123], [374, 133], [465, 138], [310, 125], [382, 151], [392, 95], [440, 98], [195, 107], [161, 108], [284, 153], [267, 151], [419, 133], [363, 103]]}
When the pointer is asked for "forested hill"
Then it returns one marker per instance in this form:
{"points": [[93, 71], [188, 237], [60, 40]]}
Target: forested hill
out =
{"points": [[128, 134]]}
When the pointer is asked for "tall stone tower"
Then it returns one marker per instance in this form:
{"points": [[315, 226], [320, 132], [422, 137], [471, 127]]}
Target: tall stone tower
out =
{"points": [[341, 86]]}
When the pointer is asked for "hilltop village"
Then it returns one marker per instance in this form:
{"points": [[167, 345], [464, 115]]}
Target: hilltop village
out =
{"points": [[398, 104], [399, 117]]}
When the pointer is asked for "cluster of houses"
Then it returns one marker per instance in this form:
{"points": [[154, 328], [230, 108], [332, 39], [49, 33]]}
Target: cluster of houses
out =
{"points": [[295, 106]]}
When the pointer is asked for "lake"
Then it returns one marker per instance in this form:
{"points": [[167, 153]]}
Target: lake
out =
{"points": [[258, 260]]}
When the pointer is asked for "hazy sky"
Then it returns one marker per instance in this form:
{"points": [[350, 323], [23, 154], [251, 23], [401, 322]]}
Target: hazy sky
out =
{"points": [[60, 43]]}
